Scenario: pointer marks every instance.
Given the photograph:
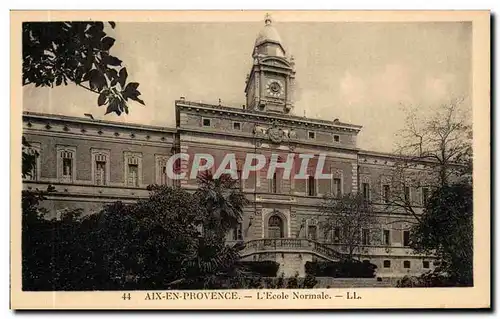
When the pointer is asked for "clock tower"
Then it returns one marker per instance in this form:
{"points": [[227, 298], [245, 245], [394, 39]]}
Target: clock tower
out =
{"points": [[270, 84]]}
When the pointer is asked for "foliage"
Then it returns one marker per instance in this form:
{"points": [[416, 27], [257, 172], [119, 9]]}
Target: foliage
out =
{"points": [[28, 160], [223, 201], [341, 269], [428, 279], [55, 53], [443, 138], [350, 214], [446, 229], [434, 149], [282, 282], [156, 243], [265, 268]]}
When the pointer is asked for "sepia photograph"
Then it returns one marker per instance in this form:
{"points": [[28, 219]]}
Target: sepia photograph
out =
{"points": [[295, 158]]}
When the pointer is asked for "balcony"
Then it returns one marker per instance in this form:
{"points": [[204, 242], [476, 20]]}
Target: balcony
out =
{"points": [[297, 245]]}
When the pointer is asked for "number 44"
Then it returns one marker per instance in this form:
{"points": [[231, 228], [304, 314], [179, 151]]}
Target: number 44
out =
{"points": [[126, 296]]}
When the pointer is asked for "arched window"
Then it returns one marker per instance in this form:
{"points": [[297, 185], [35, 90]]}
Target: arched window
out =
{"points": [[275, 227]]}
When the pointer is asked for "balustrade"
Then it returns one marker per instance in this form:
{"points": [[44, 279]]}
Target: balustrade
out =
{"points": [[270, 244]]}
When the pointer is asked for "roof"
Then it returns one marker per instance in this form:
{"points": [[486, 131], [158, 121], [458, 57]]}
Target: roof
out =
{"points": [[268, 33]]}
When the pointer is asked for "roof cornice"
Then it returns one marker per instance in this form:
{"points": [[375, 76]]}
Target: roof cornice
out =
{"points": [[81, 120], [266, 115]]}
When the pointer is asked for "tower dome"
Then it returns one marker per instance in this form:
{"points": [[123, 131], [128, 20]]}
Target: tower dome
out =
{"points": [[268, 40], [268, 33]]}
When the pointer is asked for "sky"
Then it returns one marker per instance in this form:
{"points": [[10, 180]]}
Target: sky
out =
{"points": [[362, 73]]}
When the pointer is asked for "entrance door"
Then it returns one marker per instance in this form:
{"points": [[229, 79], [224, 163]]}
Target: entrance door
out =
{"points": [[275, 227]]}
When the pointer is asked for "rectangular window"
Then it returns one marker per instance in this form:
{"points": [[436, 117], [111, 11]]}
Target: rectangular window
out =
{"points": [[237, 126], [366, 236], [177, 165], [240, 179], [336, 235], [425, 195], [100, 172], [387, 264], [161, 169], [312, 232], [387, 237], [100, 166], [163, 175], [366, 191], [35, 155], [238, 232], [133, 175], [406, 264], [425, 264], [133, 169], [33, 173], [337, 187], [274, 184], [406, 238], [311, 186], [207, 122], [311, 135], [386, 193], [67, 165], [336, 138], [407, 193]]}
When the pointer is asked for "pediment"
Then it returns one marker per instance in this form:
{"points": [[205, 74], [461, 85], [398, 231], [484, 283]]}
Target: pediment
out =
{"points": [[274, 61]]}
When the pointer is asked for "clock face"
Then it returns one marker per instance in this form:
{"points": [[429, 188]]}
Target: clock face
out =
{"points": [[274, 88]]}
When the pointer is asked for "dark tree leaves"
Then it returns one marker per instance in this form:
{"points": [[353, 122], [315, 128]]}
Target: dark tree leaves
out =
{"points": [[28, 159], [446, 229], [55, 53], [122, 77], [155, 243], [132, 93], [107, 43], [101, 100]]}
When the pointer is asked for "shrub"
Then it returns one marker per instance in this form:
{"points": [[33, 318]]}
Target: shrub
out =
{"points": [[428, 279], [341, 269], [265, 268]]}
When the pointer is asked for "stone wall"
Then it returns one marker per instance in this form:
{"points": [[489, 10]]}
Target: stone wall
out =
{"points": [[328, 282]]}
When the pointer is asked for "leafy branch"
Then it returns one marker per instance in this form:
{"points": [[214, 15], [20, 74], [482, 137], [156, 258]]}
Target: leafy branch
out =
{"points": [[56, 53]]}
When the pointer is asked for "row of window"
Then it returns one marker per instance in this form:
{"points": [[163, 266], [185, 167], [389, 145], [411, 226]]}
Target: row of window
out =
{"points": [[207, 122], [387, 196], [66, 163], [336, 186], [100, 160], [365, 236], [406, 264]]}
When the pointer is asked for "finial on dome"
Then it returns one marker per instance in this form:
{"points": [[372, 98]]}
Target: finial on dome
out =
{"points": [[268, 19]]}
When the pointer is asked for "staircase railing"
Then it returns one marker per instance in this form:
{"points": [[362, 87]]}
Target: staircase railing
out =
{"points": [[290, 244]]}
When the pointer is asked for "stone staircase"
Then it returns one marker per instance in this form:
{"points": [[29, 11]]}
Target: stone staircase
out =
{"points": [[289, 245]]}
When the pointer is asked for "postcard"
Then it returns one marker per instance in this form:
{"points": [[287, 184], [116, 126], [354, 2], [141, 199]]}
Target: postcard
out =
{"points": [[250, 159]]}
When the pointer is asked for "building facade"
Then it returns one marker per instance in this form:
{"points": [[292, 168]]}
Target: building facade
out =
{"points": [[92, 162]]}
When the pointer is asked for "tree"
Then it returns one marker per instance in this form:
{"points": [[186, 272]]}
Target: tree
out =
{"points": [[55, 53], [223, 201], [433, 151], [446, 230], [28, 160], [155, 243], [351, 216], [443, 140]]}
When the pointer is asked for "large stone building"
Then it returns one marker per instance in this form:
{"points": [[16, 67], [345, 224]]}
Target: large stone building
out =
{"points": [[92, 162]]}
